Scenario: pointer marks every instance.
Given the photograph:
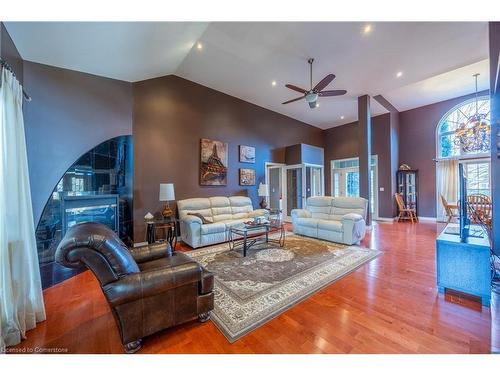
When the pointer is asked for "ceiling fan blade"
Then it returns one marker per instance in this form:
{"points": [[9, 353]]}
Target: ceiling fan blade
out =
{"points": [[312, 104], [293, 100], [332, 92], [295, 88], [324, 82]]}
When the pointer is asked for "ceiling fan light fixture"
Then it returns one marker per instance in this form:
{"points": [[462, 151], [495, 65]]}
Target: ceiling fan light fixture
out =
{"points": [[311, 97]]}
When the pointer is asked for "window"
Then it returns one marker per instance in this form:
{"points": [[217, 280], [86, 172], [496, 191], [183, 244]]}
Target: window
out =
{"points": [[77, 184], [447, 148], [478, 177], [352, 184], [336, 182]]}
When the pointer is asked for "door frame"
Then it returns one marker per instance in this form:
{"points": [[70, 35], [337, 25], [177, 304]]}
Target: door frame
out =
{"points": [[284, 168], [268, 165], [285, 191], [375, 181], [320, 166]]}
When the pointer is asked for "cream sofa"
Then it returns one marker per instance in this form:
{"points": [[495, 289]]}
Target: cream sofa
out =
{"points": [[223, 212], [336, 219]]}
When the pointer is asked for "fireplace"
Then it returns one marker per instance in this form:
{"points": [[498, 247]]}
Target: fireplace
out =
{"points": [[98, 208]]}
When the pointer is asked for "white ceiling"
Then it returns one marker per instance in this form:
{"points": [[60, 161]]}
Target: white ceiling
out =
{"points": [[242, 59]]}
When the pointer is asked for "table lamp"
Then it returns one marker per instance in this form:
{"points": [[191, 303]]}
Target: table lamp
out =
{"points": [[263, 193], [166, 195]]}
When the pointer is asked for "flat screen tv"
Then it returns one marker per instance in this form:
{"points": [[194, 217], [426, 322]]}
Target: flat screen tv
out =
{"points": [[464, 217]]}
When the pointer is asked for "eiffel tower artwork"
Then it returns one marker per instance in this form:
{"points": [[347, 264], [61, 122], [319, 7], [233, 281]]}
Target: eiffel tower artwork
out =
{"points": [[213, 167]]}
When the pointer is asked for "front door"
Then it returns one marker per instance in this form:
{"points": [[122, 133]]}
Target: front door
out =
{"points": [[346, 182]]}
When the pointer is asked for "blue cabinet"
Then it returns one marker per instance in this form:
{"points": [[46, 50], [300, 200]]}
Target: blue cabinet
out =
{"points": [[464, 266]]}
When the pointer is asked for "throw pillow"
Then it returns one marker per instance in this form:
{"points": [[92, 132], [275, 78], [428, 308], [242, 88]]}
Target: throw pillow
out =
{"points": [[203, 219]]}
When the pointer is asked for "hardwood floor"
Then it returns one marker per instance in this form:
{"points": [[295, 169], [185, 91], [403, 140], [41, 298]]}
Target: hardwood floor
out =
{"points": [[389, 305]]}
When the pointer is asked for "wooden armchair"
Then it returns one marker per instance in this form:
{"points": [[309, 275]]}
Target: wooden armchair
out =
{"points": [[479, 207], [450, 209], [405, 213]]}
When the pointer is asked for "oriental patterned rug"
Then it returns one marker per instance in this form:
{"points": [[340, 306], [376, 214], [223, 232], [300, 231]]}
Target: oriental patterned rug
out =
{"points": [[251, 291]]}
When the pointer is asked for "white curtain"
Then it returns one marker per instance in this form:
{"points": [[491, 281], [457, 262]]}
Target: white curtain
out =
{"points": [[21, 298], [447, 185]]}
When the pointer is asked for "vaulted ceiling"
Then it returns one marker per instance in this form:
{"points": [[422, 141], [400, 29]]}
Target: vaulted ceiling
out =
{"points": [[435, 60]]}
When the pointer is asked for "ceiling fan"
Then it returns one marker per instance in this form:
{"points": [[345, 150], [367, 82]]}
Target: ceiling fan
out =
{"points": [[311, 96]]}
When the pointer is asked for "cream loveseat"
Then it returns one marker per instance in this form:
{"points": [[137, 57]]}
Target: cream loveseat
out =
{"points": [[222, 212], [336, 219]]}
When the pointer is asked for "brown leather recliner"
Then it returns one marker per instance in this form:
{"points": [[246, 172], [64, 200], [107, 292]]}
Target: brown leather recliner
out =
{"points": [[148, 288]]}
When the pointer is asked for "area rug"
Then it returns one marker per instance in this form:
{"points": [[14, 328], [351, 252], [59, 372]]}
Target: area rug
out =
{"points": [[251, 291]]}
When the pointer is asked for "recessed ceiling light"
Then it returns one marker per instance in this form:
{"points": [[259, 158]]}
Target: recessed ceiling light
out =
{"points": [[399, 74], [199, 46], [367, 29], [341, 117], [273, 83]]}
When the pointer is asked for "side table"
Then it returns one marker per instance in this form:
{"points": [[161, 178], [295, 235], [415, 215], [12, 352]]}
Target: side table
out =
{"points": [[169, 225]]}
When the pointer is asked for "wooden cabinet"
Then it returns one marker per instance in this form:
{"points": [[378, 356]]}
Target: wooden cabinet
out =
{"points": [[407, 186]]}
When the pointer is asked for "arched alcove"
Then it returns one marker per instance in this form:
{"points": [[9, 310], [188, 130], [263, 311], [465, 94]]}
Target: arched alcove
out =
{"points": [[97, 187]]}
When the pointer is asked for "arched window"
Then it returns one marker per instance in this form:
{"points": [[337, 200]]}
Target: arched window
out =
{"points": [[446, 144]]}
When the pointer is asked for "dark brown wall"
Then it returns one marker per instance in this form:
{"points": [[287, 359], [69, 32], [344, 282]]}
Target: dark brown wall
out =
{"points": [[342, 142], [171, 114], [417, 147], [71, 112], [9, 53]]}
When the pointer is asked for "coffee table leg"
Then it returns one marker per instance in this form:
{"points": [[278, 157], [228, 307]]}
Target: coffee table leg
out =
{"points": [[231, 243], [245, 245], [175, 238]]}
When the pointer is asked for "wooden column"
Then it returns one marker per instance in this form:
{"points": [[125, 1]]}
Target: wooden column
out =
{"points": [[494, 41], [364, 150]]}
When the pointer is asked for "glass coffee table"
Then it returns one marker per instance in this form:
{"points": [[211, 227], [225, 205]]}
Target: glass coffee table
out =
{"points": [[245, 235]]}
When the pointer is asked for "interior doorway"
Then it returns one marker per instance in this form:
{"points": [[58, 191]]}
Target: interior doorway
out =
{"points": [[291, 185], [345, 180], [274, 181]]}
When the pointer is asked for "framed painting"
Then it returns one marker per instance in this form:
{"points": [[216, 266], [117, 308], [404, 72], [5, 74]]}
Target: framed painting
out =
{"points": [[213, 163], [247, 176], [247, 154]]}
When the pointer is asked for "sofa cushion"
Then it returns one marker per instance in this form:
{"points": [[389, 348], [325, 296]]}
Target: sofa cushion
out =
{"points": [[213, 228], [345, 205], [176, 259], [221, 208], [331, 225], [203, 219], [240, 206], [307, 222], [195, 205], [319, 207]]}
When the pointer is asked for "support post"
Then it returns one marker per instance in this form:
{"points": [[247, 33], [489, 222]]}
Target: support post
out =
{"points": [[494, 42], [365, 150]]}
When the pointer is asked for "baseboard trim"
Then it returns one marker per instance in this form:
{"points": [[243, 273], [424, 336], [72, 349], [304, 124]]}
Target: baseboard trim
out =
{"points": [[427, 218], [388, 219], [421, 218]]}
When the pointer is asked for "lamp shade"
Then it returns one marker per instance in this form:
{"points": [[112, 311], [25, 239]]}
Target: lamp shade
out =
{"points": [[167, 192], [263, 190]]}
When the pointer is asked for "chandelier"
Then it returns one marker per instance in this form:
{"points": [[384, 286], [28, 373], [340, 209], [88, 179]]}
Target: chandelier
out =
{"points": [[473, 135]]}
